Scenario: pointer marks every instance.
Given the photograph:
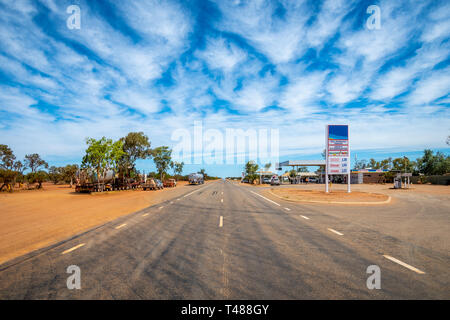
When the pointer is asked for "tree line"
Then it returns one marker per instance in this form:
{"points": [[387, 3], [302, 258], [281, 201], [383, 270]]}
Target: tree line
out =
{"points": [[12, 170], [429, 164], [101, 156]]}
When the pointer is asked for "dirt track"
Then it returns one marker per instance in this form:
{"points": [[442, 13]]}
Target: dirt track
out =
{"points": [[31, 220]]}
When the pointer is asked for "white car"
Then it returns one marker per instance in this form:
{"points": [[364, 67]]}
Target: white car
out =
{"points": [[275, 182]]}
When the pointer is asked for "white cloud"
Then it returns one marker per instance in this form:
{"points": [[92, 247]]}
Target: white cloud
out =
{"points": [[302, 95], [222, 54], [280, 39], [433, 86]]}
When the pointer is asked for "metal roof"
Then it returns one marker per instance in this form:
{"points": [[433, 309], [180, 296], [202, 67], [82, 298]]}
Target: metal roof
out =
{"points": [[295, 163]]}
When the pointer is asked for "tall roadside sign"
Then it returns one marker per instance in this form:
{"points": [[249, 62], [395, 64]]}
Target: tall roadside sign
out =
{"points": [[337, 153]]}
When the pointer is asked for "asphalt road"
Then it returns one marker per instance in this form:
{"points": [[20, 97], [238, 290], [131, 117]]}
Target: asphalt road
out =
{"points": [[226, 241]]}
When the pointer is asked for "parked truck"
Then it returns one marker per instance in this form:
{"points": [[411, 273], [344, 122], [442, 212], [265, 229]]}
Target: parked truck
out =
{"points": [[170, 183], [196, 178], [87, 181]]}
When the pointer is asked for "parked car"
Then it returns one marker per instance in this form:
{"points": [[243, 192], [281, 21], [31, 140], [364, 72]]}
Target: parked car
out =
{"points": [[150, 184], [266, 180], [170, 183], [313, 180], [275, 181], [159, 184]]}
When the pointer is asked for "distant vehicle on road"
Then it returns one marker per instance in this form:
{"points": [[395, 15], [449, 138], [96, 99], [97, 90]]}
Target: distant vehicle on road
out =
{"points": [[275, 181], [196, 178], [159, 184]]}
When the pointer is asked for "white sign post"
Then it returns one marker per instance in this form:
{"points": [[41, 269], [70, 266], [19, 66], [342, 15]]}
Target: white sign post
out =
{"points": [[337, 154]]}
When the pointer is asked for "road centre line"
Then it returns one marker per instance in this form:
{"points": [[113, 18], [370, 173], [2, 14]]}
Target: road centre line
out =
{"points": [[73, 248], [121, 226], [266, 198], [403, 264], [221, 222], [337, 232], [221, 200], [287, 209], [161, 207], [304, 217], [145, 214]]}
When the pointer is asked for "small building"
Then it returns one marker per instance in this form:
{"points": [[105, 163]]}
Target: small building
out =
{"points": [[368, 176]]}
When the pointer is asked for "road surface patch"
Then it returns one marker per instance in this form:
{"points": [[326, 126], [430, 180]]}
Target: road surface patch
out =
{"points": [[334, 231], [73, 248], [187, 195], [403, 264]]}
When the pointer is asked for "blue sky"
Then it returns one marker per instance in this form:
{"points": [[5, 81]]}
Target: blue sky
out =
{"points": [[158, 66]]}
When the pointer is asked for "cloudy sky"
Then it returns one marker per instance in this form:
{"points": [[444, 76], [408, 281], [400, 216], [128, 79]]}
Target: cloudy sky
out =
{"points": [[158, 66]]}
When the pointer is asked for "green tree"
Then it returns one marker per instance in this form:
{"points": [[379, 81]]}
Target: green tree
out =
{"points": [[433, 164], [203, 172], [403, 164], [70, 173], [97, 156], [302, 169], [293, 173], [386, 164], [54, 174], [34, 162], [7, 157], [373, 164], [162, 157], [9, 168], [360, 164], [136, 145], [178, 168], [250, 170], [267, 166], [37, 177]]}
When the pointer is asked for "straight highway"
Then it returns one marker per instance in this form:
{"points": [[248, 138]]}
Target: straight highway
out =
{"points": [[224, 240]]}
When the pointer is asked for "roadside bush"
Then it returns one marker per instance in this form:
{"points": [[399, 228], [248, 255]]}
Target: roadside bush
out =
{"points": [[37, 177]]}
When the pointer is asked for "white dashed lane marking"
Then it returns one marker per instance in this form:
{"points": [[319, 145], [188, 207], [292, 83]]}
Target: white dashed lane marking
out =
{"points": [[334, 231], [121, 226], [74, 248], [403, 264], [266, 198]]}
